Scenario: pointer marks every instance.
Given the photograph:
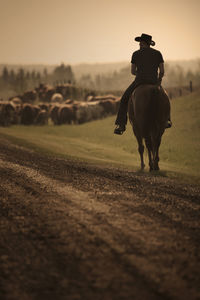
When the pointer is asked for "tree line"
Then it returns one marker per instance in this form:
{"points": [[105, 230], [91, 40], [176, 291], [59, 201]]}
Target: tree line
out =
{"points": [[175, 76], [17, 82]]}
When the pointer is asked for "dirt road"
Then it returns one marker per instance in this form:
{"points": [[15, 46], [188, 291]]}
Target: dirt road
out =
{"points": [[75, 231]]}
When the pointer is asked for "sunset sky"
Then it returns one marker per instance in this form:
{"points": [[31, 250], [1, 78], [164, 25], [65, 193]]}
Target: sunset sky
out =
{"points": [[77, 31]]}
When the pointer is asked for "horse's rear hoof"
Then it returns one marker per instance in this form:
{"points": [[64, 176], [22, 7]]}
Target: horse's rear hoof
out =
{"points": [[154, 169]]}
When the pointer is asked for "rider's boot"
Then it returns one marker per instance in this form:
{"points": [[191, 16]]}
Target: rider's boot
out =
{"points": [[120, 129]]}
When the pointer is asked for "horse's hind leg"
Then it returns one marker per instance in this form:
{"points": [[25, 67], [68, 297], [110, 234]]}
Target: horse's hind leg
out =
{"points": [[149, 148], [156, 154], [140, 145], [141, 151]]}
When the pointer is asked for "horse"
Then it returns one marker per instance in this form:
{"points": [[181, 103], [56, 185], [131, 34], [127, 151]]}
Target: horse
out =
{"points": [[149, 111]]}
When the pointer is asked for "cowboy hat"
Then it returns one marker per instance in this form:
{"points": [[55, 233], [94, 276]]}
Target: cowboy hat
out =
{"points": [[146, 38]]}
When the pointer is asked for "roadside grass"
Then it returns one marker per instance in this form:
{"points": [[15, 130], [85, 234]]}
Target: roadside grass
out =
{"points": [[95, 142]]}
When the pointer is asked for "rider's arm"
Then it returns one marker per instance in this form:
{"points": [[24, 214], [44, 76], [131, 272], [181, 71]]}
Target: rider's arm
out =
{"points": [[161, 71], [133, 69]]}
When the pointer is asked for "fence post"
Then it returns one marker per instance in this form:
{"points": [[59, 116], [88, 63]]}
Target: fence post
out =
{"points": [[191, 88]]}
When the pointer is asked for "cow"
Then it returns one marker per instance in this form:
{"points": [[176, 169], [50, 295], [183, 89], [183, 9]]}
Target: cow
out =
{"points": [[44, 106], [7, 113], [29, 114], [101, 98], [95, 110], [45, 92], [54, 113], [81, 113], [42, 117], [29, 96], [66, 114], [57, 98], [16, 100], [69, 101], [109, 107]]}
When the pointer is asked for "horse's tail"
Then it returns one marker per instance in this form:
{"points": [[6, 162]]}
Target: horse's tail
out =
{"points": [[153, 107]]}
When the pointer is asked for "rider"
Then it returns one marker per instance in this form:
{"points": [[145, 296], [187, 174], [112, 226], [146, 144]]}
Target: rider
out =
{"points": [[145, 63]]}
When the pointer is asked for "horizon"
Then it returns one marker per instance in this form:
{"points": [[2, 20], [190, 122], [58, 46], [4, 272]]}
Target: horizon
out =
{"points": [[51, 32], [92, 63]]}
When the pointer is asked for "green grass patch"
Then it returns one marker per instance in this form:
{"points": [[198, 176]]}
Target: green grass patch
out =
{"points": [[95, 142]]}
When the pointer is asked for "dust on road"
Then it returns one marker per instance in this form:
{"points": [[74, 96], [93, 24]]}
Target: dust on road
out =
{"points": [[70, 230]]}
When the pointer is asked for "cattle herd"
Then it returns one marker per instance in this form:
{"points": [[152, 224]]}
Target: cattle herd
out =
{"points": [[58, 105]]}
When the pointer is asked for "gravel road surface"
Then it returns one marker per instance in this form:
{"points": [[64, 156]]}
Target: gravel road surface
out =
{"points": [[71, 230]]}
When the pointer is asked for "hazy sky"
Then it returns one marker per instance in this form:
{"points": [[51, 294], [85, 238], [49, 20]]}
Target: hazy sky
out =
{"points": [[55, 31]]}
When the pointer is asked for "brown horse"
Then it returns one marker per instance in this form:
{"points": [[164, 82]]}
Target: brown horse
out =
{"points": [[149, 110]]}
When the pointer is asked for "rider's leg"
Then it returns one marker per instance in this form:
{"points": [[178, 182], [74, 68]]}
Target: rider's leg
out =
{"points": [[121, 119]]}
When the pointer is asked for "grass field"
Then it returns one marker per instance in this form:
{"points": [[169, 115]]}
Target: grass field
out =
{"points": [[95, 142]]}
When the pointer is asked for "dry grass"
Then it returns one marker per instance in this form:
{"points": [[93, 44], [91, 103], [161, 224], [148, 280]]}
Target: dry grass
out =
{"points": [[95, 141]]}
